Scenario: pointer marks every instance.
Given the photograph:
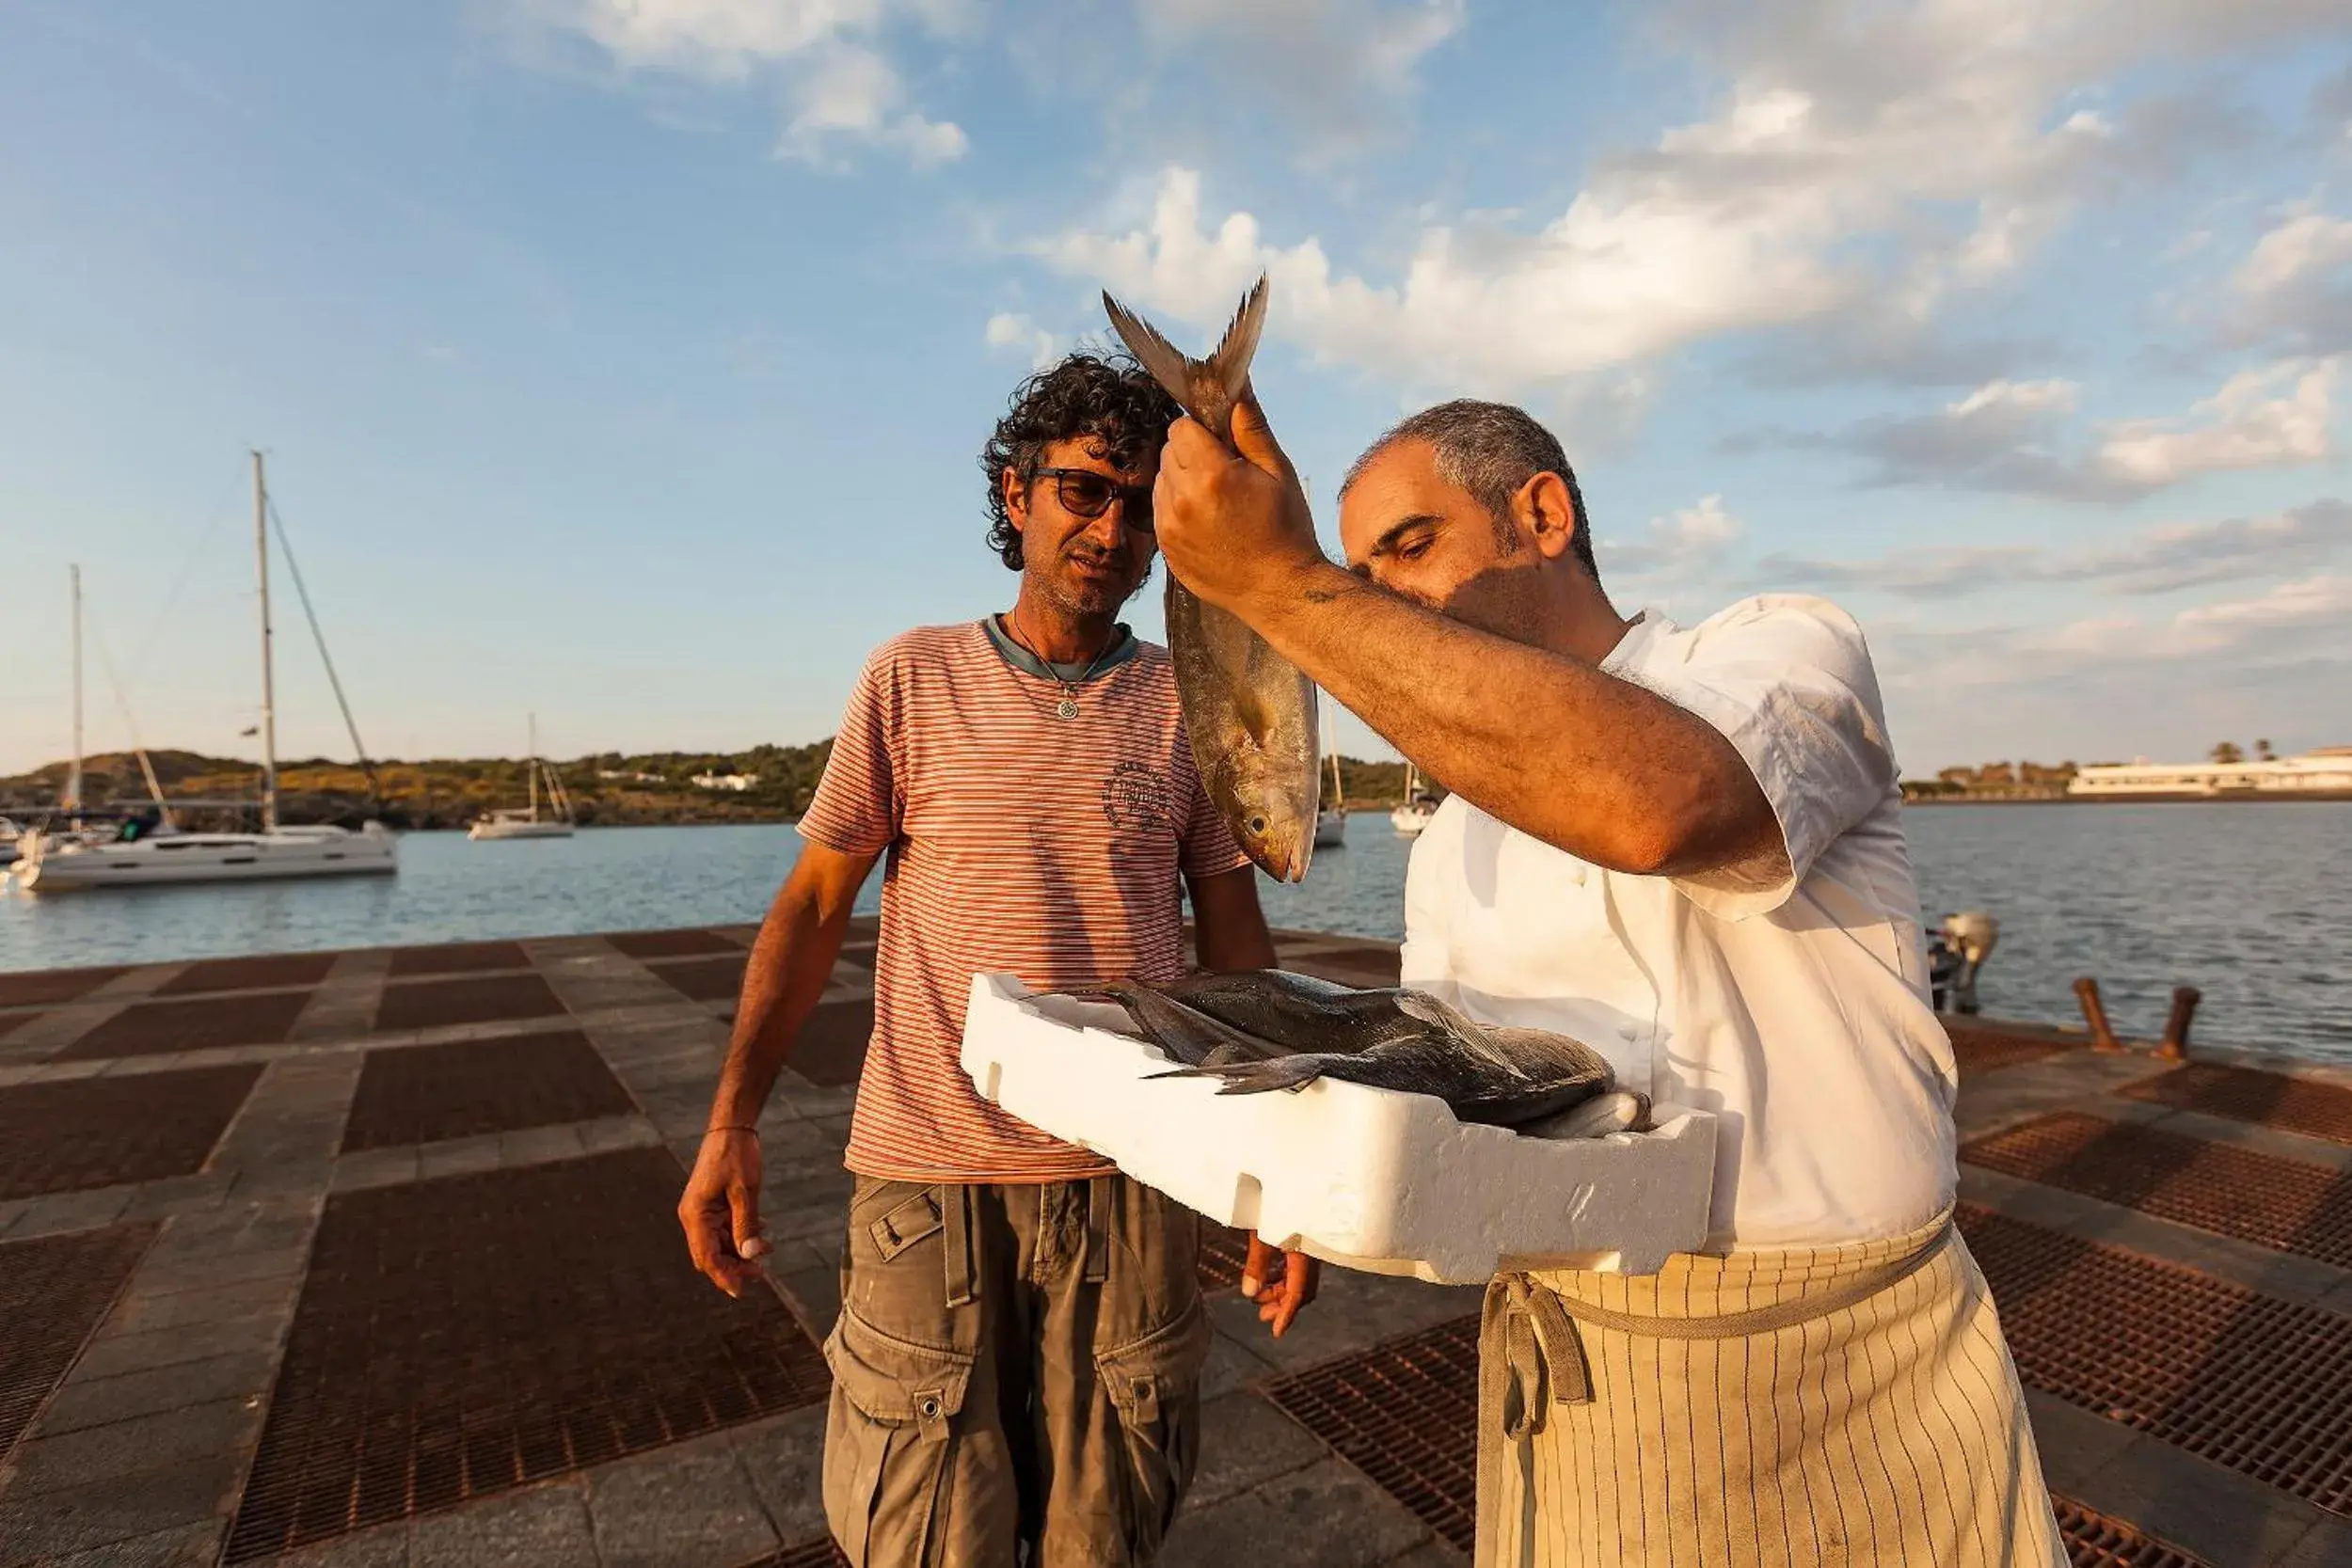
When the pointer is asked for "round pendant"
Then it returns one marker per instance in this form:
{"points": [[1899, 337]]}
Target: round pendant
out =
{"points": [[1067, 708]]}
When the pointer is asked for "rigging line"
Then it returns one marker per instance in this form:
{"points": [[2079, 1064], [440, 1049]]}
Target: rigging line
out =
{"points": [[206, 532], [293, 569], [123, 705]]}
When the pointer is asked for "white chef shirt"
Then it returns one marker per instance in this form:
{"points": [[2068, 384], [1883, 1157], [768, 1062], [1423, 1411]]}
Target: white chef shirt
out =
{"points": [[1792, 1002]]}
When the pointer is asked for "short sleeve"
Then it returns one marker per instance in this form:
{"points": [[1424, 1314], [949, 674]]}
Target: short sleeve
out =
{"points": [[1787, 680], [1207, 847], [859, 801]]}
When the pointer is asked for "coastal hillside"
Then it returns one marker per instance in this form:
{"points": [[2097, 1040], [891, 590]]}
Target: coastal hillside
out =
{"points": [[765, 783]]}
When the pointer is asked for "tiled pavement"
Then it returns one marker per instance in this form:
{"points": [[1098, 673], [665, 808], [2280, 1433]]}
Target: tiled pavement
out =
{"points": [[366, 1258]]}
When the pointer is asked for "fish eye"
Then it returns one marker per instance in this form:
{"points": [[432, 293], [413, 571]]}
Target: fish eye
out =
{"points": [[1256, 824]]}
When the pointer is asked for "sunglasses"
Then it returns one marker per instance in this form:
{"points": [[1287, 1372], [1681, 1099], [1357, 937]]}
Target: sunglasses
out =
{"points": [[1087, 494]]}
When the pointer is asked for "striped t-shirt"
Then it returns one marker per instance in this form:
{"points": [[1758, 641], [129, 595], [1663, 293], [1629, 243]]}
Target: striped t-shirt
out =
{"points": [[1020, 843]]}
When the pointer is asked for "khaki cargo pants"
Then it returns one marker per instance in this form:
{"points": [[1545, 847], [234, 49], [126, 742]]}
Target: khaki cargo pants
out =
{"points": [[1013, 1364]]}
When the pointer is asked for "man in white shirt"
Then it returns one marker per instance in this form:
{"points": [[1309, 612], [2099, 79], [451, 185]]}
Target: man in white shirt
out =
{"points": [[1683, 848]]}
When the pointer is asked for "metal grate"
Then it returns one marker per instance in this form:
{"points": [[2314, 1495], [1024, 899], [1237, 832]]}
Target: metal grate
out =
{"points": [[467, 1334], [1405, 1413], [40, 988], [474, 998], [2095, 1541], [199, 1023], [425, 1093], [1980, 1049], [2267, 1099], [458, 957], [81, 1133], [716, 979], [1223, 1251], [2283, 1204], [254, 973], [2245, 1380], [690, 943], [54, 1291]]}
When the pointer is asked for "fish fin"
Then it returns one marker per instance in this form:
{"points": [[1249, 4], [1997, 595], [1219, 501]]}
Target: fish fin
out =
{"points": [[1279, 1073], [1467, 1031], [1154, 352], [1230, 364]]}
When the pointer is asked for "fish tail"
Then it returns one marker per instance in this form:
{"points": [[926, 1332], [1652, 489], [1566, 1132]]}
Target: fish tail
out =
{"points": [[1154, 352], [1230, 364]]}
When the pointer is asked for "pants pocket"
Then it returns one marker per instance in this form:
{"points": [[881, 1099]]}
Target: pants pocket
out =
{"points": [[890, 1442], [1154, 1385]]}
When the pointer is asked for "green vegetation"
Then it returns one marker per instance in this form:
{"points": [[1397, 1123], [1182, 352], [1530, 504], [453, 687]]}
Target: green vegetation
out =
{"points": [[1993, 781], [608, 788]]}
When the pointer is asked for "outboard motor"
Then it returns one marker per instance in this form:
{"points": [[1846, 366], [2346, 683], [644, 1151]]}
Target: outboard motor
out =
{"points": [[1967, 938]]}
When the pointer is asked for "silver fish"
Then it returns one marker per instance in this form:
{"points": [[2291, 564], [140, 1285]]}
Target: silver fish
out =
{"points": [[1248, 712], [1265, 1029]]}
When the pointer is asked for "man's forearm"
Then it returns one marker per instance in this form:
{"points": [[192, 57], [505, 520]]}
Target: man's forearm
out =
{"points": [[790, 963], [1593, 765]]}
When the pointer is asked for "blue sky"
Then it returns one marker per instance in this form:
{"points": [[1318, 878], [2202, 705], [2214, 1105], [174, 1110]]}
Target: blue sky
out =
{"points": [[626, 360]]}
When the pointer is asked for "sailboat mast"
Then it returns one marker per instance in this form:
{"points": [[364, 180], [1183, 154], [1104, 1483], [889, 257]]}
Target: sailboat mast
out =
{"points": [[530, 765], [73, 797], [269, 694]]}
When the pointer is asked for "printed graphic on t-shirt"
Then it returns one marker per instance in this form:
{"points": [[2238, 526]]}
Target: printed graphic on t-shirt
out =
{"points": [[1136, 796]]}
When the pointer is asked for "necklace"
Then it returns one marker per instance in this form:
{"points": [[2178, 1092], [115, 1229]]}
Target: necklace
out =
{"points": [[1068, 706]]}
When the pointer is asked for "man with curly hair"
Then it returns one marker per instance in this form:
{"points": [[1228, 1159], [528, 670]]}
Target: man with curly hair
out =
{"points": [[1017, 1361]]}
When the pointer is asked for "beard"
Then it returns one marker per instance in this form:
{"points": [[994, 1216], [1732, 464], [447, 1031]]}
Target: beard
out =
{"points": [[1079, 594]]}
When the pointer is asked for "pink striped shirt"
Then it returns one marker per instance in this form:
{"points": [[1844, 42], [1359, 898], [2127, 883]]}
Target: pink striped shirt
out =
{"points": [[1019, 843]]}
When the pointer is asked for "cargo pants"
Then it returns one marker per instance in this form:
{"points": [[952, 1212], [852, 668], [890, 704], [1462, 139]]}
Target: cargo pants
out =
{"points": [[1016, 1374]]}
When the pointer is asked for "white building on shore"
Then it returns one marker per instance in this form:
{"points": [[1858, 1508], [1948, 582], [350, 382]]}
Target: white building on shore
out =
{"points": [[736, 782], [2324, 772]]}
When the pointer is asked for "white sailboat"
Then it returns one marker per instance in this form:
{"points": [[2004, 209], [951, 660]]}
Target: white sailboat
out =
{"points": [[144, 857], [1331, 820], [528, 823], [1414, 814]]}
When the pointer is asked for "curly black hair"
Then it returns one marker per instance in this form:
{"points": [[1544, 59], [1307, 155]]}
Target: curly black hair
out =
{"points": [[1110, 398]]}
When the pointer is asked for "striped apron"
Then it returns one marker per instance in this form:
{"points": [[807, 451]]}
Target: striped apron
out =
{"points": [[1819, 1405]]}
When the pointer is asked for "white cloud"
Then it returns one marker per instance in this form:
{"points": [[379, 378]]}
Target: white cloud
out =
{"points": [[1007, 330], [2165, 559], [847, 90], [1337, 69], [1687, 544], [2242, 426], [823, 54], [2020, 437], [2295, 285], [1819, 194]]}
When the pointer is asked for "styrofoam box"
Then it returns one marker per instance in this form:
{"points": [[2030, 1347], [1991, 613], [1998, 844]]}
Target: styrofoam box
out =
{"points": [[1364, 1178]]}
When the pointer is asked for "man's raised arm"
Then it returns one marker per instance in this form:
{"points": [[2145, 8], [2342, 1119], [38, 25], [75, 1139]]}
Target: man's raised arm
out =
{"points": [[1595, 766]]}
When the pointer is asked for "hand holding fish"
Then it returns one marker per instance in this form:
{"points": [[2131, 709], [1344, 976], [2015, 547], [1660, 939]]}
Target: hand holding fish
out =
{"points": [[1233, 521]]}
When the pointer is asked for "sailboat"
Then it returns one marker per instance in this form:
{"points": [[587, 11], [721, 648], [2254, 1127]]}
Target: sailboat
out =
{"points": [[156, 851], [1414, 814], [527, 823], [1331, 820]]}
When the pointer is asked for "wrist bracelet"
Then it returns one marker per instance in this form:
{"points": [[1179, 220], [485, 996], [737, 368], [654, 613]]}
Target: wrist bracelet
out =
{"points": [[731, 1128]]}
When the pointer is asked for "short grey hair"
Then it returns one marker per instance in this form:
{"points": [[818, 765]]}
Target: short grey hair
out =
{"points": [[1490, 450]]}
